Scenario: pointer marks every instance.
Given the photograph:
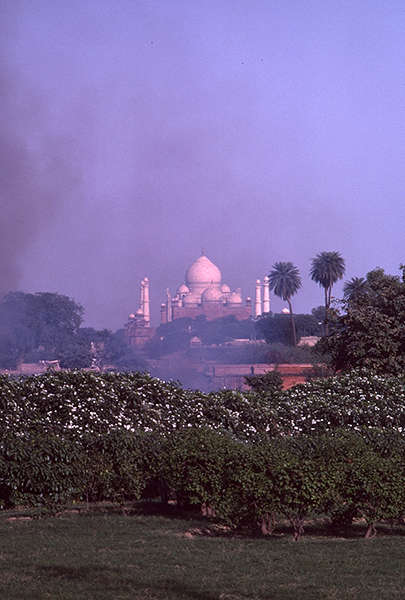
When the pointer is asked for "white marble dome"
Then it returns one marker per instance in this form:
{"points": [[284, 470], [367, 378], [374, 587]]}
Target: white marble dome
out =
{"points": [[183, 289], [235, 298], [202, 271], [225, 289]]}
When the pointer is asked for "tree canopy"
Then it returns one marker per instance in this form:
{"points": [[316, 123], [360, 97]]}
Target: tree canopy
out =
{"points": [[285, 281], [371, 332], [36, 326], [46, 326], [276, 328], [176, 335], [326, 269], [353, 289]]}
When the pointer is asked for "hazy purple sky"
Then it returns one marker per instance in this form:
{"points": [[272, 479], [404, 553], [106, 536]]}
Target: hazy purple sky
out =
{"points": [[136, 132]]}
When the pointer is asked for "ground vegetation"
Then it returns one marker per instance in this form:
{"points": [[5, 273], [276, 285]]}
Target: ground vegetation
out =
{"points": [[106, 555]]}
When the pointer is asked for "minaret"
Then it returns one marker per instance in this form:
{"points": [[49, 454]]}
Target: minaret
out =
{"points": [[266, 294], [146, 305], [258, 299], [169, 306], [142, 302]]}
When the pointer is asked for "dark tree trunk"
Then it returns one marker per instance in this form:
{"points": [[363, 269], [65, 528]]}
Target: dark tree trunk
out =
{"points": [[267, 524], [371, 531], [294, 333], [326, 321], [163, 491], [298, 525]]}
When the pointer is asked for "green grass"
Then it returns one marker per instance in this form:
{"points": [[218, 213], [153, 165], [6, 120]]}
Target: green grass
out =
{"points": [[100, 556]]}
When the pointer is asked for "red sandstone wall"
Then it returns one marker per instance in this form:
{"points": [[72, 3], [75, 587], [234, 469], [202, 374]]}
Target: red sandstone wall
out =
{"points": [[138, 336], [233, 376]]}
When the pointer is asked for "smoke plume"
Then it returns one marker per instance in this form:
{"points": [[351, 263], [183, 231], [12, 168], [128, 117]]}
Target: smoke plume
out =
{"points": [[35, 166]]}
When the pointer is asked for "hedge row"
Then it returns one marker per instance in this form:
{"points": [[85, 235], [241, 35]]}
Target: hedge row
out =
{"points": [[333, 446], [76, 403], [343, 475]]}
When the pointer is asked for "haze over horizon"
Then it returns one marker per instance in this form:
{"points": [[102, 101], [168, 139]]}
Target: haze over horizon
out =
{"points": [[135, 133]]}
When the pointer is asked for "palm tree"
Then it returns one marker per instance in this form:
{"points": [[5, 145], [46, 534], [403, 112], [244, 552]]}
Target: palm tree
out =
{"points": [[285, 280], [354, 289], [326, 269]]}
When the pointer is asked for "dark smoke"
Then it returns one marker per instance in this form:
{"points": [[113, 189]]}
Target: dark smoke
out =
{"points": [[34, 167]]}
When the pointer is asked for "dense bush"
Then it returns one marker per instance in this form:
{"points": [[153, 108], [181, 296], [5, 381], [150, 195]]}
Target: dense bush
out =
{"points": [[198, 467], [353, 400], [334, 446], [268, 383], [115, 466], [371, 331], [276, 328], [83, 402], [38, 469]]}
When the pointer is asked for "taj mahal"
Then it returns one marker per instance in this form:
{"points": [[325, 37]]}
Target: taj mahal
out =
{"points": [[202, 293]]}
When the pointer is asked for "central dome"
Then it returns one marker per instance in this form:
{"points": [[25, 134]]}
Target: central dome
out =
{"points": [[202, 272]]}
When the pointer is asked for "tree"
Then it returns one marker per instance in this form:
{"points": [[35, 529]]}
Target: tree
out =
{"points": [[285, 280], [74, 354], [326, 269], [117, 352], [276, 328], [46, 326], [355, 288], [39, 325], [175, 336], [270, 382], [371, 333], [319, 314]]}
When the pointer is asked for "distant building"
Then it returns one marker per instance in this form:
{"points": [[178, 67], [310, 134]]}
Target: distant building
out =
{"points": [[202, 293], [138, 330]]}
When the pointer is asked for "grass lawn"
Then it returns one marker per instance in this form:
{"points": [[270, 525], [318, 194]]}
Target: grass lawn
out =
{"points": [[100, 556]]}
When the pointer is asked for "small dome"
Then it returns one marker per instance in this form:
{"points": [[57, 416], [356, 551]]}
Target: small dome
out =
{"points": [[203, 271], [225, 289], [183, 289], [235, 298], [212, 294]]}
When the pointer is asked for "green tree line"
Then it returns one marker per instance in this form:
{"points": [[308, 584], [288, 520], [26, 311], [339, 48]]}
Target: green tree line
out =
{"points": [[47, 326]]}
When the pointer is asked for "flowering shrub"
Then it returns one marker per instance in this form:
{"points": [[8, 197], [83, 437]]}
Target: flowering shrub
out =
{"points": [[355, 400], [79, 402], [333, 446]]}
